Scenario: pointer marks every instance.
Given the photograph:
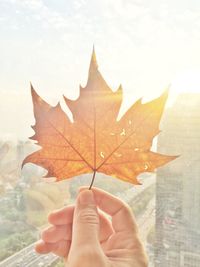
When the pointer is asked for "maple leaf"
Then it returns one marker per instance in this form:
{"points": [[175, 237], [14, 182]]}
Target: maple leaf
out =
{"points": [[96, 141]]}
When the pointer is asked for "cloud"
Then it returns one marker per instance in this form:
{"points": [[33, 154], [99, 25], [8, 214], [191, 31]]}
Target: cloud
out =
{"points": [[31, 4], [37, 10]]}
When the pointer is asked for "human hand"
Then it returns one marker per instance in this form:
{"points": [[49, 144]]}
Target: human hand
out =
{"points": [[85, 236]]}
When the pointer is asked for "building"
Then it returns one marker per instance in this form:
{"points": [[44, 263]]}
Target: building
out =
{"points": [[178, 186]]}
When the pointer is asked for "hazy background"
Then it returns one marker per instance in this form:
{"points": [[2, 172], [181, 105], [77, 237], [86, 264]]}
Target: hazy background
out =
{"points": [[145, 45]]}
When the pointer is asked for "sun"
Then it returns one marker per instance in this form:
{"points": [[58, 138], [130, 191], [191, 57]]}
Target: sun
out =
{"points": [[187, 81]]}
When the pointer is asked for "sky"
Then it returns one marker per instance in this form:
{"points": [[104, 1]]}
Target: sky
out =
{"points": [[144, 45]]}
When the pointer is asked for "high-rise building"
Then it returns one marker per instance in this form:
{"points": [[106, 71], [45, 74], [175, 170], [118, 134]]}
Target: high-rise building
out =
{"points": [[178, 186]]}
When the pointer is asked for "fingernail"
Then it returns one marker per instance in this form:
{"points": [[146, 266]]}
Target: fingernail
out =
{"points": [[86, 197]]}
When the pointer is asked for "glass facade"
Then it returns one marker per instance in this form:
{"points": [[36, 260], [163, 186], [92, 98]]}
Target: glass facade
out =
{"points": [[178, 186]]}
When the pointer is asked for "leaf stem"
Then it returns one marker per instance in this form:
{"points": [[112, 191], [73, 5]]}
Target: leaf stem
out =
{"points": [[92, 180]]}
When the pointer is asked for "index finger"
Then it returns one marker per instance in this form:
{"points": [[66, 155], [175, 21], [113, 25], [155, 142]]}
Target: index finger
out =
{"points": [[122, 216]]}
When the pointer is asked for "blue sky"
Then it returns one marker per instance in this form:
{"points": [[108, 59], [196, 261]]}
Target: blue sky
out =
{"points": [[144, 45]]}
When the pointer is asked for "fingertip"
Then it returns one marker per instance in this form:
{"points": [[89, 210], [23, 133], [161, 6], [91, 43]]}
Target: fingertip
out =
{"points": [[54, 216], [82, 188], [86, 188], [43, 247], [62, 216], [50, 217], [86, 197], [40, 247], [46, 233]]}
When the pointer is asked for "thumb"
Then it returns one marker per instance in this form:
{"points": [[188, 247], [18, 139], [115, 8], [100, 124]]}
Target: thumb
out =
{"points": [[86, 220]]}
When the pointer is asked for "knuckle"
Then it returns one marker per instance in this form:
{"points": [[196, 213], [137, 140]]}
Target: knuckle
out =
{"points": [[88, 216]]}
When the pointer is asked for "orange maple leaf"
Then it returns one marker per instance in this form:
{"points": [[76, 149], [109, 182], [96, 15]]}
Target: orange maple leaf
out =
{"points": [[96, 141]]}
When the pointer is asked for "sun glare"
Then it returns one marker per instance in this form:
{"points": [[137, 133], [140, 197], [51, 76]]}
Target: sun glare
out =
{"points": [[186, 82]]}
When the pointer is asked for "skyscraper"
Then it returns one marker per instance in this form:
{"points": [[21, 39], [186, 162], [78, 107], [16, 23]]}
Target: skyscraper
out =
{"points": [[178, 186]]}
